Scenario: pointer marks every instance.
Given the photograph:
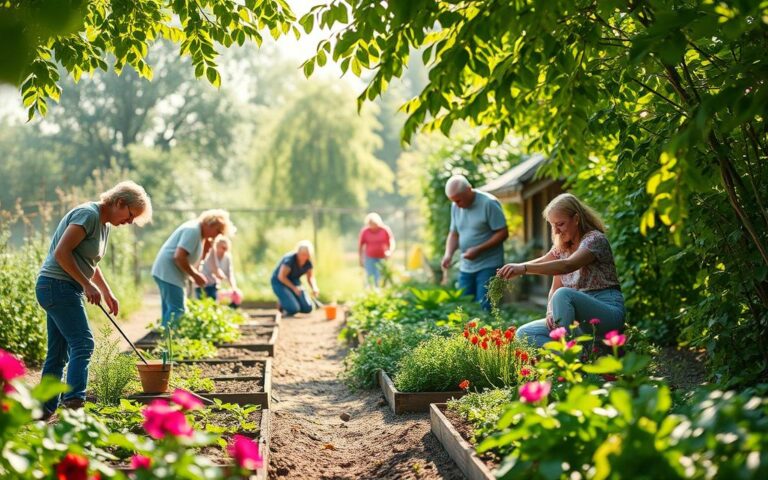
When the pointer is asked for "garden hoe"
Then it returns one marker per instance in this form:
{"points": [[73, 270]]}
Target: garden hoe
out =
{"points": [[123, 334]]}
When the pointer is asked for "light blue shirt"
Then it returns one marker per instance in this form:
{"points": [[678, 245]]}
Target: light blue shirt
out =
{"points": [[189, 237], [88, 252], [475, 225]]}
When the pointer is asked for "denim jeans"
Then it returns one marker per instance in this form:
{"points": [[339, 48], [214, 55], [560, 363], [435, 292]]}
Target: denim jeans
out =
{"points": [[210, 291], [569, 305], [372, 272], [69, 336], [289, 301], [475, 284], [172, 300]]}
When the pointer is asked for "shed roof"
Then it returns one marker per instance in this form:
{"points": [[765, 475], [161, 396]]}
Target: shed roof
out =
{"points": [[513, 180]]}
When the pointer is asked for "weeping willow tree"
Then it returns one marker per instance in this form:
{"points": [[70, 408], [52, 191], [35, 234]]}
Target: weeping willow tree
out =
{"points": [[321, 152]]}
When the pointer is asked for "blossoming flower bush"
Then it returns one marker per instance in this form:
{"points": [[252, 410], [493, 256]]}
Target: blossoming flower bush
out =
{"points": [[482, 357], [568, 422], [81, 447]]}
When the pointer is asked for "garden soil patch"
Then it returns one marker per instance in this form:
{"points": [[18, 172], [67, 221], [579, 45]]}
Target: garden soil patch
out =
{"points": [[238, 386], [228, 369], [309, 438]]}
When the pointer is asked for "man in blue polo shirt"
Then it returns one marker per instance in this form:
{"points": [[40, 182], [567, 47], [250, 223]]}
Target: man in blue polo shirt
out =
{"points": [[478, 229]]}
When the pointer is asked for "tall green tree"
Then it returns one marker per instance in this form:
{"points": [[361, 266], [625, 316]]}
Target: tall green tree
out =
{"points": [[679, 84], [321, 151]]}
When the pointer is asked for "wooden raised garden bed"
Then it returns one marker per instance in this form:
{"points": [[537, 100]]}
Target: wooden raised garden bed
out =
{"points": [[219, 456], [255, 339], [247, 382], [263, 317], [402, 402], [459, 449]]}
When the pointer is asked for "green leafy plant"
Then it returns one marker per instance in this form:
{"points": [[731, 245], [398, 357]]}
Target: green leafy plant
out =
{"points": [[111, 371], [207, 320], [190, 377], [189, 349], [483, 409]]}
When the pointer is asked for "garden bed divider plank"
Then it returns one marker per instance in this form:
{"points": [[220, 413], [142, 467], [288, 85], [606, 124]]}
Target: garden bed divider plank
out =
{"points": [[268, 347], [264, 443], [460, 450], [262, 317], [263, 398], [403, 402]]}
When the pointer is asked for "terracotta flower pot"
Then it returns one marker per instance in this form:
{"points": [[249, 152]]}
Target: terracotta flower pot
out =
{"points": [[155, 376]]}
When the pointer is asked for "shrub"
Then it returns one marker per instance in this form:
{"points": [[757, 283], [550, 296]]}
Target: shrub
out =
{"points": [[111, 371], [483, 409], [22, 324]]}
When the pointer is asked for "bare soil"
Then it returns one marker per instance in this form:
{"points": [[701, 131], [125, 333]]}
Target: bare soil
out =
{"points": [[309, 438], [235, 368], [238, 386], [238, 353]]}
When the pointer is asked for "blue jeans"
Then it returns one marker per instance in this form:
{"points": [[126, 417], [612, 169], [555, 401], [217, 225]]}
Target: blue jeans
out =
{"points": [[372, 272], [569, 305], [475, 284], [289, 301], [209, 291], [172, 300], [69, 336]]}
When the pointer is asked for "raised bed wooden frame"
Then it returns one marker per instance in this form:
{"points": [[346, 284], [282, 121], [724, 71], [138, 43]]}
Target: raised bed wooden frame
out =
{"points": [[460, 450], [404, 402], [268, 347], [253, 398]]}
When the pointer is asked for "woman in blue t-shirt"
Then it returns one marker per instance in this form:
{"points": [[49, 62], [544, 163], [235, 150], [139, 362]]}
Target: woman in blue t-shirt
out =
{"points": [[286, 280], [70, 275]]}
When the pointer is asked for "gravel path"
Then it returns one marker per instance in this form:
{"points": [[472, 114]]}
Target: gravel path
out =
{"points": [[309, 438]]}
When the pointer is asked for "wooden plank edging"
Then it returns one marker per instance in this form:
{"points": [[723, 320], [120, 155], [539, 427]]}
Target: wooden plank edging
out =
{"points": [[403, 402], [461, 451]]}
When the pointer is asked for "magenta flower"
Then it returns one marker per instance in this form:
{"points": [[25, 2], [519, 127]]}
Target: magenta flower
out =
{"points": [[161, 419], [594, 321], [557, 334], [615, 339], [525, 371], [186, 400], [245, 452], [570, 344], [532, 392], [140, 462], [10, 368]]}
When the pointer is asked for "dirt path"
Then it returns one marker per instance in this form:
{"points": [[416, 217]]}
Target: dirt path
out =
{"points": [[309, 438]]}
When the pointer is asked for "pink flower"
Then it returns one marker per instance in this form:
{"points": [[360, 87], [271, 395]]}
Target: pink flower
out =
{"points": [[570, 344], [594, 321], [161, 419], [140, 462], [525, 371], [615, 339], [245, 452], [532, 392], [10, 368], [186, 400], [557, 334]]}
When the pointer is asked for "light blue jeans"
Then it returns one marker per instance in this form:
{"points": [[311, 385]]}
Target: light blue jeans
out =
{"points": [[569, 305], [475, 284], [372, 272], [69, 336], [289, 301], [172, 300]]}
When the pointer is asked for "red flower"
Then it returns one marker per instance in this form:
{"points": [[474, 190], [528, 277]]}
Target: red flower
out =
{"points": [[475, 340], [160, 419], [482, 331], [609, 377], [464, 385], [497, 341], [186, 400], [561, 379], [466, 333], [594, 321], [521, 355], [72, 467], [139, 462], [472, 324], [509, 334], [525, 371], [484, 345], [245, 452]]}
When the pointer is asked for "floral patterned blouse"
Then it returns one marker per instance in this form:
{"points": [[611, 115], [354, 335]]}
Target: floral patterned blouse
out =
{"points": [[597, 275]]}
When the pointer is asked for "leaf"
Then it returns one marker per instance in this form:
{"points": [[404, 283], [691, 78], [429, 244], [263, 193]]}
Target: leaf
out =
{"points": [[48, 388], [606, 364]]}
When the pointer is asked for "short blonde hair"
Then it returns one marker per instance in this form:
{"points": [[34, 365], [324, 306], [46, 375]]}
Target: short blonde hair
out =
{"points": [[569, 204], [223, 240], [132, 195], [219, 217], [305, 245], [374, 219]]}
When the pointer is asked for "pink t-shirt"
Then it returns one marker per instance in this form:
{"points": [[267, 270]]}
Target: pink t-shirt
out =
{"points": [[376, 242], [597, 275]]}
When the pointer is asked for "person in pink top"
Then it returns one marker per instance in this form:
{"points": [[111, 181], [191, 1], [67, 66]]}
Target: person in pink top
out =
{"points": [[375, 245], [585, 285]]}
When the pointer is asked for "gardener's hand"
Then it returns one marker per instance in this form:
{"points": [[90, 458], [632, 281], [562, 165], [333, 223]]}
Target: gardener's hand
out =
{"points": [[297, 291], [112, 304], [446, 263], [510, 270], [551, 325], [316, 293], [92, 294], [471, 253], [199, 279]]}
